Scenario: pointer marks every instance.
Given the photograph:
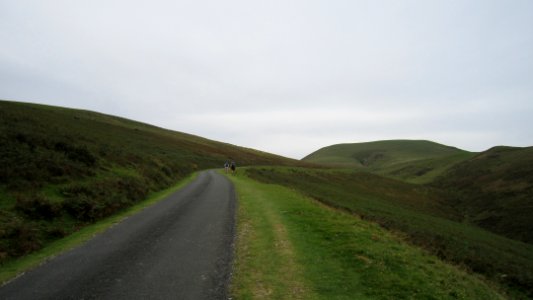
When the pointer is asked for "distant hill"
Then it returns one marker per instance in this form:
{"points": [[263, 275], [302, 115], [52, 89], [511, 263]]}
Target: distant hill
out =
{"points": [[416, 161], [62, 168], [494, 190], [491, 189]]}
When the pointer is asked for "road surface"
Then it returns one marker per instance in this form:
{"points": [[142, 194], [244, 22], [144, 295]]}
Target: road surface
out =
{"points": [[180, 248]]}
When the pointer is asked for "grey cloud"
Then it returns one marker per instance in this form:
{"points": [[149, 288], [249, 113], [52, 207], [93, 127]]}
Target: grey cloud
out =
{"points": [[459, 72]]}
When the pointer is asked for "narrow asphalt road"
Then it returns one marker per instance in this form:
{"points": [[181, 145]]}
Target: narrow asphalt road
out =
{"points": [[180, 248]]}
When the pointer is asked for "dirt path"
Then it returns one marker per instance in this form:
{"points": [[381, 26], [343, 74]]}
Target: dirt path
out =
{"points": [[180, 248]]}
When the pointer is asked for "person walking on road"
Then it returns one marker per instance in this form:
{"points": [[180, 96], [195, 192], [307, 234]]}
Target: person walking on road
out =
{"points": [[226, 166], [233, 167]]}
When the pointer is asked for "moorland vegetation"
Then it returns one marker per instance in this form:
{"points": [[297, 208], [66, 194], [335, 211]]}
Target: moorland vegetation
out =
{"points": [[62, 169]]}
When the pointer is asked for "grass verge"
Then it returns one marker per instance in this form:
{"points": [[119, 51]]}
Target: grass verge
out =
{"points": [[292, 247], [15, 267], [266, 266]]}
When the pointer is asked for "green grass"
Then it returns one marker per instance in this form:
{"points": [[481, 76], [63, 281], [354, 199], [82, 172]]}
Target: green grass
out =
{"points": [[292, 247], [266, 266], [418, 212], [424, 170], [15, 267]]}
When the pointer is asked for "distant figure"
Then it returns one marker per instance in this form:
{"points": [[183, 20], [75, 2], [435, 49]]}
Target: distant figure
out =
{"points": [[233, 166], [226, 166]]}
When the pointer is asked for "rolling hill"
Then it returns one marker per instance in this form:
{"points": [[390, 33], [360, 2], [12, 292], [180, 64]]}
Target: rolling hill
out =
{"points": [[416, 161], [61, 169], [492, 189]]}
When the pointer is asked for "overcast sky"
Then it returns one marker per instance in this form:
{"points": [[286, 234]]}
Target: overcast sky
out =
{"points": [[287, 77]]}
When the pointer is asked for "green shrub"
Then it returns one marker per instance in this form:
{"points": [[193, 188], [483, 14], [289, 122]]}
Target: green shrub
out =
{"points": [[93, 201], [82, 207], [37, 206], [76, 153], [17, 236]]}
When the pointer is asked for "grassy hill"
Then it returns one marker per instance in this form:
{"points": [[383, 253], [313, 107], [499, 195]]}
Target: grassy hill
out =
{"points": [[292, 247], [494, 190], [415, 161], [61, 169], [421, 213], [491, 189]]}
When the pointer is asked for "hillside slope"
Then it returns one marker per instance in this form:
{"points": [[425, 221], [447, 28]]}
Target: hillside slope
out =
{"points": [[415, 161], [62, 168], [491, 189], [494, 190], [423, 216], [292, 247]]}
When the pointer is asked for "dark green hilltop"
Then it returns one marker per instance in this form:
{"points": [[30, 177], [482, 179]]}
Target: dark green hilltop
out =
{"points": [[62, 168], [381, 153], [416, 161]]}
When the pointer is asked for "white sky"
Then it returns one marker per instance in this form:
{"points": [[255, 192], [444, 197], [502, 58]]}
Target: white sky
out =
{"points": [[286, 77]]}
